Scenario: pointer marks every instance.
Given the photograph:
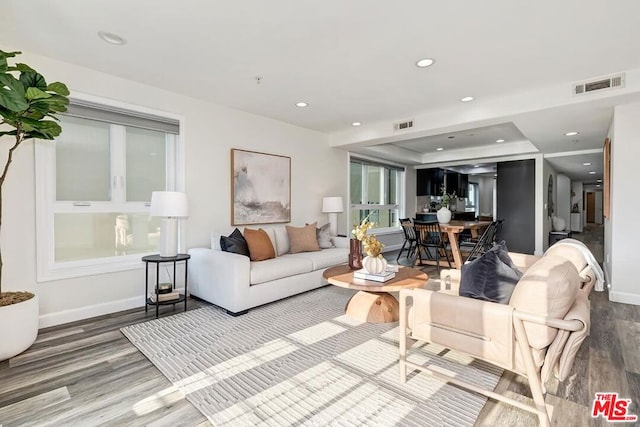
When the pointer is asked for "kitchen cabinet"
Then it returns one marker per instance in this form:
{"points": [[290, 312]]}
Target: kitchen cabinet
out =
{"points": [[429, 181], [458, 183]]}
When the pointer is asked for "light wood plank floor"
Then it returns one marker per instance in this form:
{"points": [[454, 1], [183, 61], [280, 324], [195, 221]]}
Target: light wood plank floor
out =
{"points": [[88, 373]]}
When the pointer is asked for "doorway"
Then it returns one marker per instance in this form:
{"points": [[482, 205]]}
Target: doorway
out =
{"points": [[591, 207]]}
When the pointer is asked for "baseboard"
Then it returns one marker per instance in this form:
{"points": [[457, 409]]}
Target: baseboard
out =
{"points": [[81, 313], [624, 297]]}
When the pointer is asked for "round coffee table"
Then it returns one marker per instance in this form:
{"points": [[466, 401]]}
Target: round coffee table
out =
{"points": [[373, 303]]}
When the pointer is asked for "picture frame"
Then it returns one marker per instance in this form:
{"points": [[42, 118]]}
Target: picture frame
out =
{"points": [[260, 188], [606, 179]]}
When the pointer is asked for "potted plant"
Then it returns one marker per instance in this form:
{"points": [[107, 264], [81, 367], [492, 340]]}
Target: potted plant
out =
{"points": [[444, 214], [28, 108]]}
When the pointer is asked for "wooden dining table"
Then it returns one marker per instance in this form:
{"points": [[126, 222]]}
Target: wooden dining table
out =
{"points": [[454, 228]]}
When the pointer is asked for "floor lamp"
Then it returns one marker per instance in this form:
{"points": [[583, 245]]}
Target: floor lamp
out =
{"points": [[332, 206], [169, 205]]}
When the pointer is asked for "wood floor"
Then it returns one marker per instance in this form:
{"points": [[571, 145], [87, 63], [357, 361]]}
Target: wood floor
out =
{"points": [[87, 373]]}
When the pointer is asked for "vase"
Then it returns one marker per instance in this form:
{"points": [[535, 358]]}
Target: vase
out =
{"points": [[444, 215], [355, 254], [374, 264]]}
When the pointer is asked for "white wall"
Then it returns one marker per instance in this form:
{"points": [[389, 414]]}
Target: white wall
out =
{"points": [[621, 234], [210, 132], [548, 170], [563, 198]]}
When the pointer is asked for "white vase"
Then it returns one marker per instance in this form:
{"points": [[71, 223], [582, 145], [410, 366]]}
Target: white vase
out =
{"points": [[374, 265], [444, 215]]}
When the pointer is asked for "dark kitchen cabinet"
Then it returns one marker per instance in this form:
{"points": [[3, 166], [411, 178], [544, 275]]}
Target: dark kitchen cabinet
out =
{"points": [[458, 183], [429, 181]]}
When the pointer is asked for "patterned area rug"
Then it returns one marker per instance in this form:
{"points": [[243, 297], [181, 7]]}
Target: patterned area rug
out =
{"points": [[301, 361]]}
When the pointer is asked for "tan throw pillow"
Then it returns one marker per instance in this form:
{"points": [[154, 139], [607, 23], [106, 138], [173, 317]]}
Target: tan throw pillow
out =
{"points": [[260, 246], [303, 239]]}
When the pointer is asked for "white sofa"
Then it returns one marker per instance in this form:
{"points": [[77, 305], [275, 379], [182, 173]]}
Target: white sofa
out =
{"points": [[235, 283]]}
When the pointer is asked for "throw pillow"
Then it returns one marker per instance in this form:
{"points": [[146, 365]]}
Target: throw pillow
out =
{"points": [[324, 237], [235, 243], [260, 246], [303, 239], [489, 278]]}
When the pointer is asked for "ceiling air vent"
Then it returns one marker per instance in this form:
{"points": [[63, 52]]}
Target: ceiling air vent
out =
{"points": [[408, 124], [605, 83]]}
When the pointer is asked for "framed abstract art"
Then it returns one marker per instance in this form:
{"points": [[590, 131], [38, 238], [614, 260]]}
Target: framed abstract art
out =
{"points": [[260, 188]]}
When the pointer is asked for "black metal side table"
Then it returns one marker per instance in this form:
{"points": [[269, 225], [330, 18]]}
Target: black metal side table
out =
{"points": [[157, 260]]}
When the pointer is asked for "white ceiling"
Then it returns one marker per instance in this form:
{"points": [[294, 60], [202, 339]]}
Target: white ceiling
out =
{"points": [[352, 60]]}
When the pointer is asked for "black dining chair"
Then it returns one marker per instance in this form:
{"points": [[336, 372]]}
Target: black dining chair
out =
{"points": [[409, 238], [429, 236], [485, 242]]}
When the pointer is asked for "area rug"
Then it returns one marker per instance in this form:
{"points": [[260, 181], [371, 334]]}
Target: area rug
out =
{"points": [[302, 361]]}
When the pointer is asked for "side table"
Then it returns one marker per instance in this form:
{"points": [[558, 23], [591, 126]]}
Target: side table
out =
{"points": [[157, 260]]}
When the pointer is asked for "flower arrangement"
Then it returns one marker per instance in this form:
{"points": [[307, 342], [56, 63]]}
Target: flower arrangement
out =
{"points": [[372, 246], [446, 197]]}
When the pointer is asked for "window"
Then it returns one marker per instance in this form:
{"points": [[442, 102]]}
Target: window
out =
{"points": [[94, 188], [376, 189], [472, 201]]}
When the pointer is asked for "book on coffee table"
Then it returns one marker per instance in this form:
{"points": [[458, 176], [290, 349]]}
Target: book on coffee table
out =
{"points": [[382, 277]]}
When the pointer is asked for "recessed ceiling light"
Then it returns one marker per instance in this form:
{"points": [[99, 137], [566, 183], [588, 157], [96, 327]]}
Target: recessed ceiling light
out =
{"points": [[467, 99], [586, 164], [426, 62], [592, 173], [499, 140], [599, 180], [301, 104], [111, 38], [598, 185], [476, 166], [439, 149], [572, 133], [356, 124]]}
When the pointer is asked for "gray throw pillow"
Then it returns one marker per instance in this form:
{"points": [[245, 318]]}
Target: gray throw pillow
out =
{"points": [[323, 236], [235, 243], [492, 277]]}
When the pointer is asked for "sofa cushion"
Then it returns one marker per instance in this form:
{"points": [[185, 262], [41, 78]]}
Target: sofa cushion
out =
{"points": [[260, 246], [234, 243], [281, 239], [492, 277], [324, 258], [548, 288], [278, 268], [569, 252], [303, 239], [324, 237]]}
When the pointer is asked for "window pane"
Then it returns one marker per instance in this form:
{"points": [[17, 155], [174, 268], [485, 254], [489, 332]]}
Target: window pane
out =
{"points": [[374, 193], [393, 187], [355, 191], [83, 161], [100, 235], [146, 163]]}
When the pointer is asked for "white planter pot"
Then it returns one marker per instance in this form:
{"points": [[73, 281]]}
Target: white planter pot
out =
{"points": [[374, 265], [444, 215], [18, 327]]}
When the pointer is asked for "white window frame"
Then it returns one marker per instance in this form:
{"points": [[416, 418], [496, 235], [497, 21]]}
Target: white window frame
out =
{"points": [[400, 191], [47, 206]]}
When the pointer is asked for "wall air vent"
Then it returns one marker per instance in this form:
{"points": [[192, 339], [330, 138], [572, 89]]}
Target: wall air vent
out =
{"points": [[407, 124], [604, 83]]}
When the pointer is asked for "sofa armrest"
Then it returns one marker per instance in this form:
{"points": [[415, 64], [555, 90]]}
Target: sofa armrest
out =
{"points": [[480, 328], [222, 278], [340, 242]]}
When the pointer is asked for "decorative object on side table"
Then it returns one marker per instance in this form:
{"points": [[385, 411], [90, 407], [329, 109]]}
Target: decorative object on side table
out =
{"points": [[444, 214], [170, 205], [374, 262], [355, 254], [27, 106]]}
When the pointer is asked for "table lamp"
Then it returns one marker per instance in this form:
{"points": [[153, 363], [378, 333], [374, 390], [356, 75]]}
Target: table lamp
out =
{"points": [[170, 205], [332, 206]]}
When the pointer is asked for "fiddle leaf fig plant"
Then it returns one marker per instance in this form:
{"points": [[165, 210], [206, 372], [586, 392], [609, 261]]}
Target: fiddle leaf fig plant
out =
{"points": [[28, 109]]}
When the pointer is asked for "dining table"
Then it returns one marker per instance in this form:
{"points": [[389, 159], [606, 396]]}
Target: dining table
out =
{"points": [[454, 228]]}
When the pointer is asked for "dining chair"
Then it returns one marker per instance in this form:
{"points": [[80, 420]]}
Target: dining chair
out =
{"points": [[409, 238], [484, 243], [429, 236]]}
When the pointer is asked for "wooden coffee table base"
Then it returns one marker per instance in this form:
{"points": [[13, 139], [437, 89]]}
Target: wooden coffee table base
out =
{"points": [[373, 307]]}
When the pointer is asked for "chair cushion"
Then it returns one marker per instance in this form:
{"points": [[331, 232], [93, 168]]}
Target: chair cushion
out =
{"points": [[492, 277], [548, 288], [303, 239], [260, 246], [234, 243], [571, 253]]}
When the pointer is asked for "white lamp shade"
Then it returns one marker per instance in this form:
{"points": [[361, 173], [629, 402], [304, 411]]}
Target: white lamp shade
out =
{"points": [[169, 204], [332, 204]]}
